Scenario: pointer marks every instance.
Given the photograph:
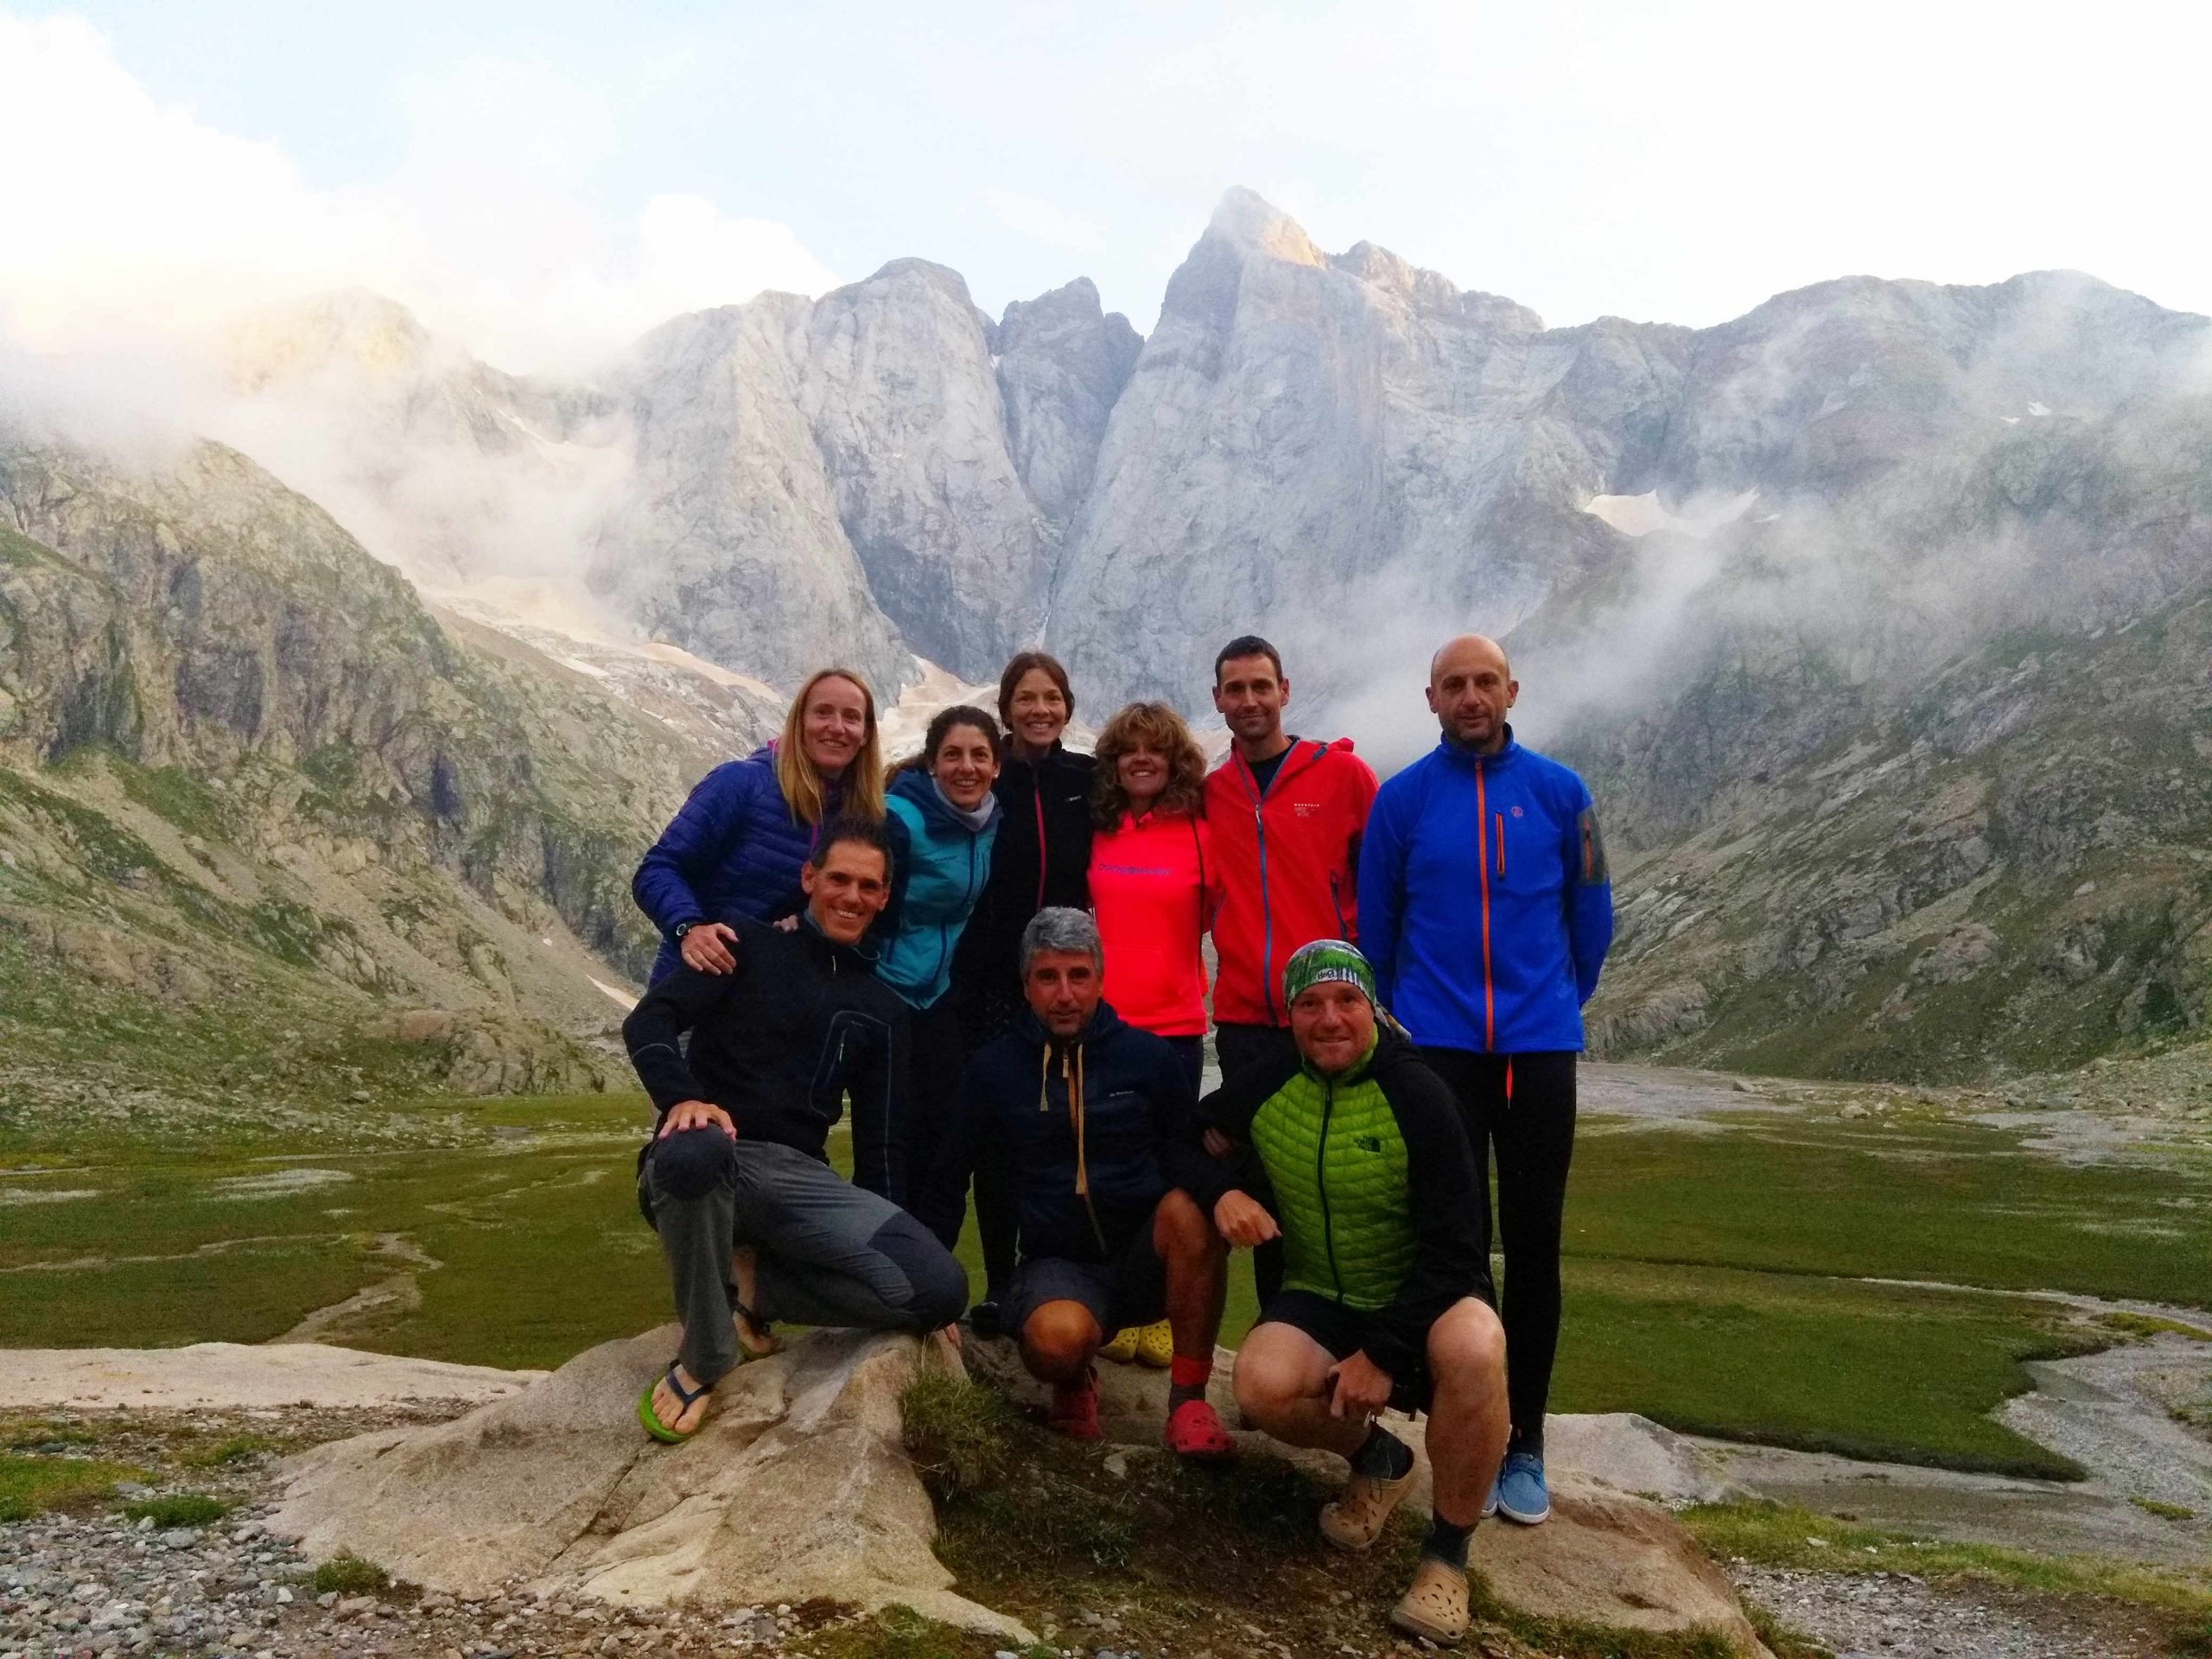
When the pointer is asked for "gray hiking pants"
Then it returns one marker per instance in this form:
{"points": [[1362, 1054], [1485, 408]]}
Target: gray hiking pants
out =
{"points": [[829, 1253]]}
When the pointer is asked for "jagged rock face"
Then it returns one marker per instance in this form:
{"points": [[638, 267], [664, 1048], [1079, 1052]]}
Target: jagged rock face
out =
{"points": [[898, 388], [1306, 440], [1062, 363], [840, 480], [1318, 443], [728, 542]]}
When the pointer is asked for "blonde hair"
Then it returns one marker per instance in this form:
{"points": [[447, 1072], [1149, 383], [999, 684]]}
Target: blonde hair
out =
{"points": [[1157, 726], [800, 780]]}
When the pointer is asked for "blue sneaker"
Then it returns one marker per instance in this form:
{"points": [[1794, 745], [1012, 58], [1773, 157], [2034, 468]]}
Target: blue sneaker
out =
{"points": [[1521, 1493], [1489, 1503]]}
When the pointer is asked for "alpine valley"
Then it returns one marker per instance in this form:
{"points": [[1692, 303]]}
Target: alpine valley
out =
{"points": [[1879, 618]]}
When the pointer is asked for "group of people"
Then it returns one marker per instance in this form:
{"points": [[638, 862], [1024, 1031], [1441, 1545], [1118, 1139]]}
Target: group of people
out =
{"points": [[994, 952]]}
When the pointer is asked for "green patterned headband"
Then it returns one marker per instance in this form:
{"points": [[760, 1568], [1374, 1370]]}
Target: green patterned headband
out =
{"points": [[1323, 962]]}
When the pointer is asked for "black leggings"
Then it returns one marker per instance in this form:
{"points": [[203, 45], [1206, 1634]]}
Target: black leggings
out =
{"points": [[1520, 1108], [937, 1056]]}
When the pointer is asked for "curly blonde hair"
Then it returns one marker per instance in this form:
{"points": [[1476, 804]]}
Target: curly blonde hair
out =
{"points": [[1160, 727]]}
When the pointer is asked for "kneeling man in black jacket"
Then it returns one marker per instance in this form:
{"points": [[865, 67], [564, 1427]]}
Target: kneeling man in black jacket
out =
{"points": [[756, 1224], [1099, 1130]]}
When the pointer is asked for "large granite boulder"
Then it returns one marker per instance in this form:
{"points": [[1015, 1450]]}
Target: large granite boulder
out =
{"points": [[797, 1488]]}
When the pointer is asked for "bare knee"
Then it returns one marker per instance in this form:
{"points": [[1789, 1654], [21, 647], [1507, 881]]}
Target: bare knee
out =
{"points": [[1466, 1349], [1266, 1388], [1058, 1341], [1259, 1391], [1180, 1231]]}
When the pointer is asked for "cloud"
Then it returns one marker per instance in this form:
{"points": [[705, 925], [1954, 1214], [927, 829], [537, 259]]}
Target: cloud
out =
{"points": [[692, 255], [139, 220], [1054, 226]]}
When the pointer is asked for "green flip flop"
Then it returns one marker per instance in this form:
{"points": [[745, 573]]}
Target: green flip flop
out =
{"points": [[651, 1420]]}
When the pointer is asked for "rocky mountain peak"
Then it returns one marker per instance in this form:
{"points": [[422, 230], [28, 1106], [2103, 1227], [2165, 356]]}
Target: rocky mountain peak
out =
{"points": [[1062, 363], [1249, 221], [350, 328]]}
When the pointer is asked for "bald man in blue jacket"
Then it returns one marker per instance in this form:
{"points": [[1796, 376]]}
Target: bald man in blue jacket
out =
{"points": [[1485, 907]]}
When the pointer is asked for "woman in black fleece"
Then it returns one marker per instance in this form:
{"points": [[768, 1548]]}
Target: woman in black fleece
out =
{"points": [[1042, 858]]}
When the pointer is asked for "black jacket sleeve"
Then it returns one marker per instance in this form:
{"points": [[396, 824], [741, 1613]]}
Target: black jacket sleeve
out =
{"points": [[1231, 1108], [874, 1075], [1451, 1248], [940, 1194], [673, 1006]]}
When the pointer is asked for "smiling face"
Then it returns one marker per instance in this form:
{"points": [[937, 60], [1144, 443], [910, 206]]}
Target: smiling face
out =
{"points": [[848, 891], [965, 765], [1142, 773], [1249, 695], [1063, 988], [833, 726], [1037, 712], [1471, 688], [1332, 1023]]}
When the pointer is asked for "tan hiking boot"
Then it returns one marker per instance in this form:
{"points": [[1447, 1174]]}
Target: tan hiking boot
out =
{"points": [[1435, 1605], [1355, 1520]]}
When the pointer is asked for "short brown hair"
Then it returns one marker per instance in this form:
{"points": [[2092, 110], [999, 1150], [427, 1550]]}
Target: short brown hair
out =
{"points": [[1019, 664], [1158, 726]]}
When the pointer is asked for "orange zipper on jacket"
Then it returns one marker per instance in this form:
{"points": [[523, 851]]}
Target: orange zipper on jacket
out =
{"points": [[1482, 865]]}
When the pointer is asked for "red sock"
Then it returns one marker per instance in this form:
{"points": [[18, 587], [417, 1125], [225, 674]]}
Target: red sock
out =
{"points": [[1189, 1373]]}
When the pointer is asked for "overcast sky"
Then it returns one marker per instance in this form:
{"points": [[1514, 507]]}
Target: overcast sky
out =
{"points": [[545, 179]]}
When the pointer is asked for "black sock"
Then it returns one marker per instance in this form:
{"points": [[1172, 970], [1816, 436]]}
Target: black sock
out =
{"points": [[1183, 1394], [1382, 1455], [1446, 1542]]}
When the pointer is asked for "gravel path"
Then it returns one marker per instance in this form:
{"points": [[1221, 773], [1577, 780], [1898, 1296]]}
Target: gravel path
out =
{"points": [[72, 1587], [1893, 1616], [89, 1585]]}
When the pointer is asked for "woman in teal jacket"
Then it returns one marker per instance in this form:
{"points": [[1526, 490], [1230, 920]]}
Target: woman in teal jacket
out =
{"points": [[942, 819]]}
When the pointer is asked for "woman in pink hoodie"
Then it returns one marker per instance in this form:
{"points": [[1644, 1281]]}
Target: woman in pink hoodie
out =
{"points": [[1154, 882]]}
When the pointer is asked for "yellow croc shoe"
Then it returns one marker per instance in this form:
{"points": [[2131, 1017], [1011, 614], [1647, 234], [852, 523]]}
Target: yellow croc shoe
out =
{"points": [[1123, 1348], [1156, 1346]]}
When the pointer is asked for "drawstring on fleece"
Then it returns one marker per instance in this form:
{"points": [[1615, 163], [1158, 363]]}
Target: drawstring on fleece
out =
{"points": [[1072, 1075]]}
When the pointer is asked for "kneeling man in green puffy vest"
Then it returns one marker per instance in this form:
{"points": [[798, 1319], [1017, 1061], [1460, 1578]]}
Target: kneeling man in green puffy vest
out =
{"points": [[1356, 1159]]}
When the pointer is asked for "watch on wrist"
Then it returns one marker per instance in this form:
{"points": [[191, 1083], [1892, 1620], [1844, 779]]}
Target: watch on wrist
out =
{"points": [[682, 928]]}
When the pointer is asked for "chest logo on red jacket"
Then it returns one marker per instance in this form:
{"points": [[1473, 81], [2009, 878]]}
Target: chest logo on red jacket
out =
{"points": [[1306, 809]]}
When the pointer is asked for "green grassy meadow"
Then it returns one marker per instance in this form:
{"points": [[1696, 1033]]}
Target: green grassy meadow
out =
{"points": [[1715, 1279]]}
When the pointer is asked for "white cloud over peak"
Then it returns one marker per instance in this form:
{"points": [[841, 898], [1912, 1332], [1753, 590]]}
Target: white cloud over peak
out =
{"points": [[140, 222]]}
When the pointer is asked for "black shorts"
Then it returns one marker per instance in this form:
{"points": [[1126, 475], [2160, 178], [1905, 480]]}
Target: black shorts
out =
{"points": [[1131, 1289], [1344, 1331]]}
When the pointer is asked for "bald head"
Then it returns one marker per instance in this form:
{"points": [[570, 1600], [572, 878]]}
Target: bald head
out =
{"points": [[1471, 688], [1467, 650]]}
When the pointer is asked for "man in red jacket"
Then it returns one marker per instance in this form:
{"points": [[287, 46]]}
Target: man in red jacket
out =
{"points": [[1284, 814]]}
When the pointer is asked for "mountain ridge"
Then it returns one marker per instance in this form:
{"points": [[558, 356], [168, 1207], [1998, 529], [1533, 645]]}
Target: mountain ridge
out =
{"points": [[1727, 560]]}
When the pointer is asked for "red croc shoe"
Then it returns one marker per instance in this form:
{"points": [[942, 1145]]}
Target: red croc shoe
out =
{"points": [[1194, 1431], [1075, 1410]]}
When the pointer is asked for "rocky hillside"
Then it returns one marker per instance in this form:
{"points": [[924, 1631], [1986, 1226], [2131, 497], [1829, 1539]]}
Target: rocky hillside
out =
{"points": [[267, 826], [2006, 864]]}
